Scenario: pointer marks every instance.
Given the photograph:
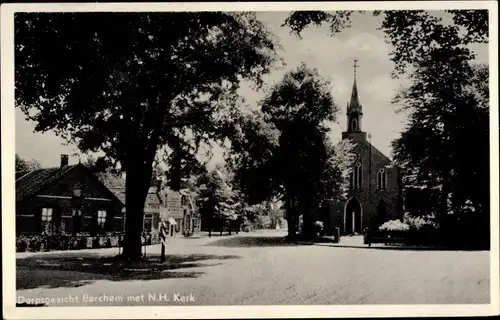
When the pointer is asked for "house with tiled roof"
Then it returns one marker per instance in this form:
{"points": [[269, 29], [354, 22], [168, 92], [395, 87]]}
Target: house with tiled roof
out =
{"points": [[178, 210], [69, 200], [184, 221], [151, 206]]}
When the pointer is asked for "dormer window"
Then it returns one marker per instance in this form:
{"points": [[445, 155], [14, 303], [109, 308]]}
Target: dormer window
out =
{"points": [[77, 191]]}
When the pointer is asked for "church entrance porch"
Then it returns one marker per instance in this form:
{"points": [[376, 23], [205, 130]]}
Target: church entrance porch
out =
{"points": [[352, 217]]}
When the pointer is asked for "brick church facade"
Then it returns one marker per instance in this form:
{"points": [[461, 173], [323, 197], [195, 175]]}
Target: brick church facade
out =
{"points": [[375, 187]]}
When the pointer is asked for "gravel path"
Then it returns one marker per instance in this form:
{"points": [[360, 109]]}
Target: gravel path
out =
{"points": [[255, 269]]}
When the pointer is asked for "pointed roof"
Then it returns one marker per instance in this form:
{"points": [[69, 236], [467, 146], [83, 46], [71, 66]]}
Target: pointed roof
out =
{"points": [[354, 104], [29, 183], [354, 94]]}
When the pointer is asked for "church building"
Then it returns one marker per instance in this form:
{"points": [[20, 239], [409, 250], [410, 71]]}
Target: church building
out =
{"points": [[375, 191]]}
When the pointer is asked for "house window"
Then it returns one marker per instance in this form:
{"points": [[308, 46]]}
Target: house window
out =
{"points": [[358, 179], [101, 218], [77, 220], [381, 179], [147, 222], [148, 225], [47, 214], [178, 222], [77, 190], [351, 180], [47, 219]]}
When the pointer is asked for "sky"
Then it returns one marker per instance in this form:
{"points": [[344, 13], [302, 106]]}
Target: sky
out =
{"points": [[331, 55]]}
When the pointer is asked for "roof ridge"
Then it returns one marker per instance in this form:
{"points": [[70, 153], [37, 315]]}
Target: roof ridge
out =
{"points": [[24, 175], [59, 172]]}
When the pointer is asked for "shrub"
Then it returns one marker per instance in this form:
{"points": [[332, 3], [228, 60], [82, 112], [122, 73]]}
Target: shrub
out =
{"points": [[155, 237], [394, 225], [95, 243], [319, 227], [262, 222], [35, 243], [21, 244], [420, 223], [246, 226]]}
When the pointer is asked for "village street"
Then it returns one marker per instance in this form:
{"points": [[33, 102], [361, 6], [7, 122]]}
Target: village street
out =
{"points": [[255, 268]]}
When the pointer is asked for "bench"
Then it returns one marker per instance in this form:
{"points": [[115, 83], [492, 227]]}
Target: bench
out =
{"points": [[387, 237]]}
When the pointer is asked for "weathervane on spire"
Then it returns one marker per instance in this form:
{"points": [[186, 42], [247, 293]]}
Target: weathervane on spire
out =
{"points": [[355, 65]]}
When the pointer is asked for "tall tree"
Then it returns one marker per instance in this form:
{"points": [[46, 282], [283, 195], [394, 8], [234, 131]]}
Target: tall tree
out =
{"points": [[447, 103], [127, 83], [293, 157], [251, 157], [213, 194]]}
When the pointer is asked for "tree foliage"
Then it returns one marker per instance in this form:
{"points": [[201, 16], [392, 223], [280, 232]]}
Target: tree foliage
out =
{"points": [[103, 172], [284, 150], [214, 195], [126, 84], [446, 142], [26, 165], [412, 33]]}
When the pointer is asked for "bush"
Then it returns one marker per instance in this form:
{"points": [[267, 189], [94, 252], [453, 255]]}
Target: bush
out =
{"points": [[262, 222], [155, 237], [21, 244], [420, 223], [394, 225], [246, 225], [319, 227]]}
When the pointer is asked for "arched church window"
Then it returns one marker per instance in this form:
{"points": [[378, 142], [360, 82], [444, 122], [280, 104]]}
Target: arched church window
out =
{"points": [[354, 124], [381, 179], [357, 175]]}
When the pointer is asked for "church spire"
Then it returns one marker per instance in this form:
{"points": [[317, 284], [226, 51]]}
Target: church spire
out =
{"points": [[354, 104], [354, 108]]}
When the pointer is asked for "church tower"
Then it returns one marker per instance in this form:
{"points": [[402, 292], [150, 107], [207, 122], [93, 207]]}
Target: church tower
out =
{"points": [[354, 113], [375, 189]]}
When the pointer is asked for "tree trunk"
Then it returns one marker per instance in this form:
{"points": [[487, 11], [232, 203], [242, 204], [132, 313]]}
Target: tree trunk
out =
{"points": [[444, 195], [291, 218], [307, 219], [210, 223], [136, 189]]}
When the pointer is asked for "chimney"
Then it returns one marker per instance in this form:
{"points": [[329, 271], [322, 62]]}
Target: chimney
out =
{"points": [[64, 160]]}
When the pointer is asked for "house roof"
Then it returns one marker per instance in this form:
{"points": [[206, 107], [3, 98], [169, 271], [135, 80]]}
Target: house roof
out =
{"points": [[152, 198], [30, 182]]}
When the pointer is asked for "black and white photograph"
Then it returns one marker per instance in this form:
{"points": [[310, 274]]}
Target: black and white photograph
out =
{"points": [[316, 155]]}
